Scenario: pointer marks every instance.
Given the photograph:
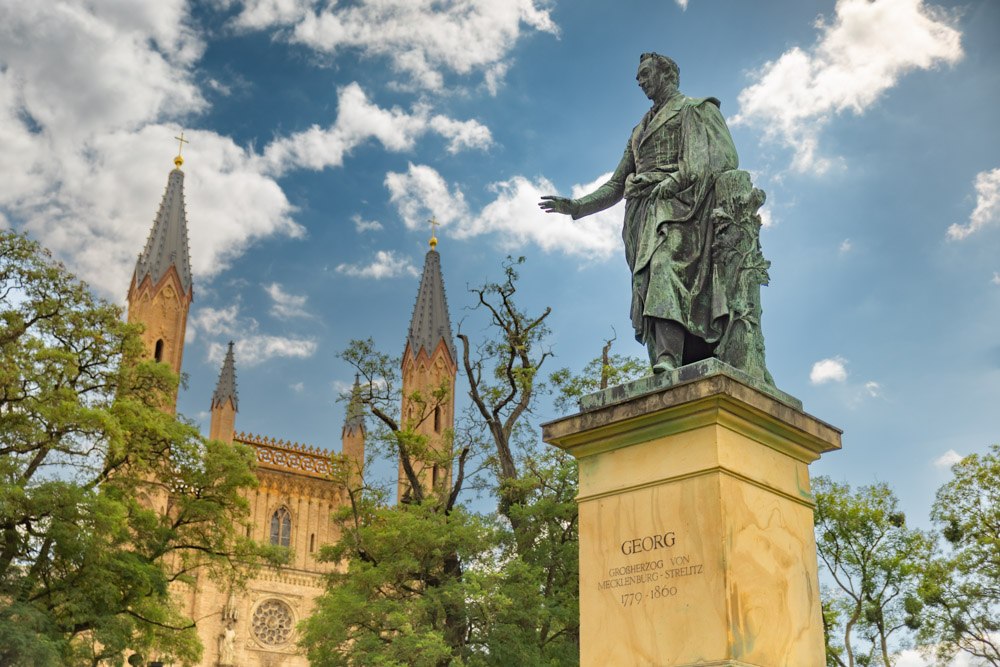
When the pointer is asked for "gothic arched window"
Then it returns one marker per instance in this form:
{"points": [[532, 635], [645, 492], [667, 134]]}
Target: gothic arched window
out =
{"points": [[158, 352], [281, 527]]}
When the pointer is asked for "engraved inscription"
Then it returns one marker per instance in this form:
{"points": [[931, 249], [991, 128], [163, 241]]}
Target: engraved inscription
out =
{"points": [[655, 579], [649, 543], [631, 575]]}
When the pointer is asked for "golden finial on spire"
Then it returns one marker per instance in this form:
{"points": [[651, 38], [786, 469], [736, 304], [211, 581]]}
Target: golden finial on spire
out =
{"points": [[178, 161], [434, 225]]}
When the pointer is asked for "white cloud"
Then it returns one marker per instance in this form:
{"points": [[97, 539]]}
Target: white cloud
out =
{"points": [[683, 4], [215, 321], [386, 264], [341, 388], [87, 94], [948, 459], [421, 193], [254, 349], [996, 278], [463, 134], [829, 370], [513, 216], [987, 209], [359, 120], [422, 39], [91, 96], [298, 387], [766, 217], [846, 246], [494, 77], [858, 55], [833, 370], [223, 186], [855, 395], [251, 346], [286, 305], [223, 89], [132, 63], [361, 225]]}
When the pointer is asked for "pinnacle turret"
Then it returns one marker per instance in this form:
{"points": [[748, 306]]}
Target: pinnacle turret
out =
{"points": [[225, 389], [354, 422], [167, 244], [431, 323]]}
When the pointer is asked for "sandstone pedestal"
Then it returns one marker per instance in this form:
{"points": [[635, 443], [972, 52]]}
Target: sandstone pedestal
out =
{"points": [[696, 522]]}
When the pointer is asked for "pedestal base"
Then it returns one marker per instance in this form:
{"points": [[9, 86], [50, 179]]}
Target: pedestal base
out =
{"points": [[696, 526]]}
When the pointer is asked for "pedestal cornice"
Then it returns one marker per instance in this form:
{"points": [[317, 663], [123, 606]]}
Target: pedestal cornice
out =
{"points": [[718, 397]]}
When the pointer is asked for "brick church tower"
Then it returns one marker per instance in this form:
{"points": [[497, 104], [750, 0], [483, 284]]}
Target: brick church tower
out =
{"points": [[225, 403], [161, 290], [291, 507], [430, 362]]}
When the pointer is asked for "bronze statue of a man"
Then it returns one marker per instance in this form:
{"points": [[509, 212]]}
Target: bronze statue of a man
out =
{"points": [[667, 177]]}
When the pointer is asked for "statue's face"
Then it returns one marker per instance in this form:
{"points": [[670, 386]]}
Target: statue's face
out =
{"points": [[653, 80]]}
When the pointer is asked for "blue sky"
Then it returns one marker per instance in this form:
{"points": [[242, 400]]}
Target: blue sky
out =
{"points": [[323, 136]]}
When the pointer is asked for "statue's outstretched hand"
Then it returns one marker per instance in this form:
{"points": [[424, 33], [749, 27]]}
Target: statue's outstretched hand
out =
{"points": [[553, 204]]}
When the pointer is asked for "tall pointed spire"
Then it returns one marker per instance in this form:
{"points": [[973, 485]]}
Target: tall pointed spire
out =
{"points": [[225, 388], [354, 421], [431, 323], [224, 401], [429, 364], [352, 437], [167, 245], [161, 291]]}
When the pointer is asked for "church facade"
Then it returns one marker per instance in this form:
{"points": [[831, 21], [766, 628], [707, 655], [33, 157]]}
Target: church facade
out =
{"points": [[295, 498]]}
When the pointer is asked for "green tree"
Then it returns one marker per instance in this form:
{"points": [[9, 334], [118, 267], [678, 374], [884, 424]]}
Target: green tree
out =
{"points": [[88, 462], [961, 588], [503, 379], [533, 616], [874, 560], [502, 586], [403, 595], [534, 487]]}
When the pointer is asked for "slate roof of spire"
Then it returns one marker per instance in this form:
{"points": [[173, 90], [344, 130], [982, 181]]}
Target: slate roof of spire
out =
{"points": [[355, 419], [167, 244], [225, 389], [430, 322]]}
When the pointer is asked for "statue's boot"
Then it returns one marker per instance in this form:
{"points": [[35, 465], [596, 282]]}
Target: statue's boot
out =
{"points": [[666, 347]]}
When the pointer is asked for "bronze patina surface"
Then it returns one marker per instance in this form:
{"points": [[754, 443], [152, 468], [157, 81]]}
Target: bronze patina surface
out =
{"points": [[691, 230]]}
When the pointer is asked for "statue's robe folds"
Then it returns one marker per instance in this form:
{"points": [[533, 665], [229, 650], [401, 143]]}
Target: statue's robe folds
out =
{"points": [[667, 176]]}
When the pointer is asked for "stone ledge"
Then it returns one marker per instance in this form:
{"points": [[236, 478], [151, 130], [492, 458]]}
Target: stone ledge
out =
{"points": [[684, 374], [648, 407]]}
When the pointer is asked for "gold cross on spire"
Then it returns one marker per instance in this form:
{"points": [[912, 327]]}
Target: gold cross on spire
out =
{"points": [[179, 160], [434, 225]]}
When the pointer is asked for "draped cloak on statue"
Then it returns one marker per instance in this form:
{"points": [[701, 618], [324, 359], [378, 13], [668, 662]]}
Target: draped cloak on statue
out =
{"points": [[667, 177]]}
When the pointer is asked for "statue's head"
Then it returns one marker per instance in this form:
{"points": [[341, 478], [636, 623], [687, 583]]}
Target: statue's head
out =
{"points": [[658, 75]]}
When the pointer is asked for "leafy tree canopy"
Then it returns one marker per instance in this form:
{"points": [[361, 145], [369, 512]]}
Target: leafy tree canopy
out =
{"points": [[105, 500], [874, 561], [427, 581], [961, 586]]}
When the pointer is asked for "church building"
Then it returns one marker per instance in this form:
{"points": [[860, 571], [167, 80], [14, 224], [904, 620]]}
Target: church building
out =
{"points": [[293, 504]]}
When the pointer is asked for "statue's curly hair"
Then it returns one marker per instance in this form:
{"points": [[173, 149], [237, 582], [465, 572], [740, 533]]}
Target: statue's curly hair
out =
{"points": [[665, 64]]}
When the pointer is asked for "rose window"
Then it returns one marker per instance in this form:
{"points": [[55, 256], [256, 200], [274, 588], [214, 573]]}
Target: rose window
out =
{"points": [[272, 622]]}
